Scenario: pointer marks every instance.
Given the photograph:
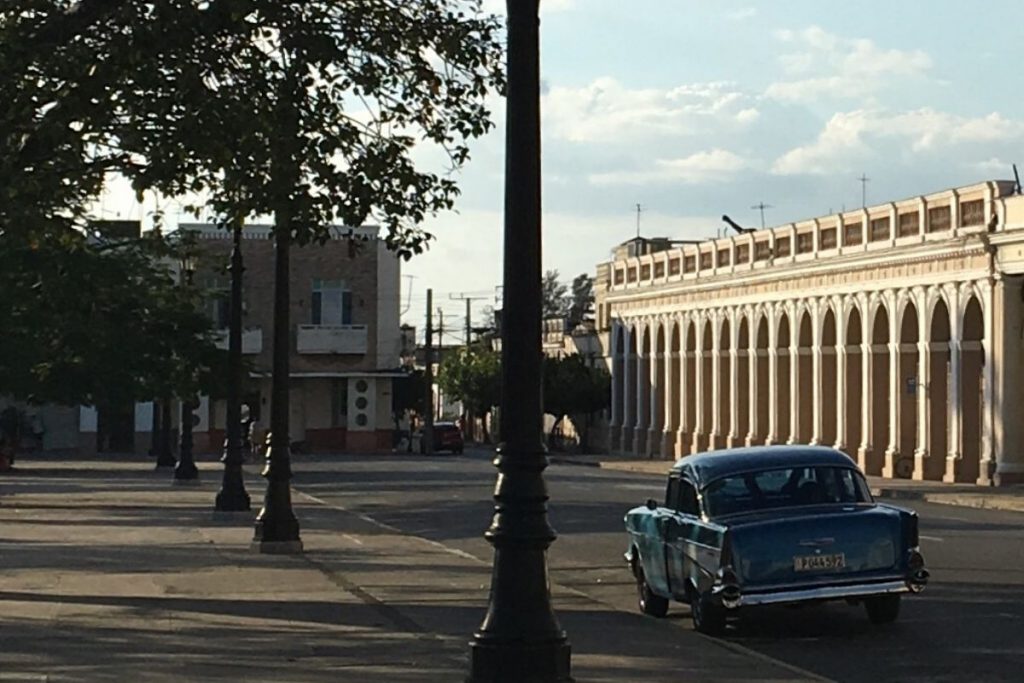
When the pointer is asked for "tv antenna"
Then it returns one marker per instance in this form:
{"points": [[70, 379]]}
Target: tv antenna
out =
{"points": [[639, 209], [863, 189], [1016, 177], [762, 206]]}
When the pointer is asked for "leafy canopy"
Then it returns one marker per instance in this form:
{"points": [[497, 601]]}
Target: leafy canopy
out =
{"points": [[472, 375]]}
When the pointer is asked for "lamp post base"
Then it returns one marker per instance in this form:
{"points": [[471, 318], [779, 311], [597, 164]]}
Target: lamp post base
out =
{"points": [[499, 661], [232, 501], [277, 547]]}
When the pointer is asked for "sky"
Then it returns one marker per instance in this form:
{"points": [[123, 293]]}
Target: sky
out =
{"points": [[695, 108]]}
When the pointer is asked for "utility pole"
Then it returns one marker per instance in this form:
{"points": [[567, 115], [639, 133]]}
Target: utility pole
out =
{"points": [[863, 189], [469, 312], [428, 358], [762, 206]]}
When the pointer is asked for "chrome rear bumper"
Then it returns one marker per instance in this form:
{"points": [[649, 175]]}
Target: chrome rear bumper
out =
{"points": [[809, 594]]}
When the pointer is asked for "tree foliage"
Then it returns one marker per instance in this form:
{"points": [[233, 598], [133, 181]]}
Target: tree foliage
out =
{"points": [[581, 299], [554, 296], [99, 322], [473, 376], [575, 390]]}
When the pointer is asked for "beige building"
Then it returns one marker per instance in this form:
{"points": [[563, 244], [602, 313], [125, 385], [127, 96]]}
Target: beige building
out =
{"points": [[345, 341], [892, 332]]}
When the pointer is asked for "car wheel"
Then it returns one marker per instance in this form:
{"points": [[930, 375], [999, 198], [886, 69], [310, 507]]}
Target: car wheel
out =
{"points": [[649, 602], [708, 618], [883, 609]]}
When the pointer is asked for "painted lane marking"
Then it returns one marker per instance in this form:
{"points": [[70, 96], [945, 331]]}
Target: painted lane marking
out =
{"points": [[932, 538]]}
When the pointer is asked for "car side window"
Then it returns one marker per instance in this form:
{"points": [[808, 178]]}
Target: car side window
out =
{"points": [[672, 493], [688, 503]]}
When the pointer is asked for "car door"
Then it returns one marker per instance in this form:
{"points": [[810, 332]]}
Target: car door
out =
{"points": [[652, 551], [681, 528]]}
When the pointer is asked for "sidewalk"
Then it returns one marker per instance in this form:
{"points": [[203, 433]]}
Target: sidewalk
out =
{"points": [[966, 495], [108, 573]]}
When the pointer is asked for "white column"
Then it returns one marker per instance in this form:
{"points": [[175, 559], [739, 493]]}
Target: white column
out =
{"points": [[773, 381], [816, 373], [867, 388], [653, 433], [628, 392], [752, 367], [716, 382], [640, 425], [794, 381], [670, 408], [617, 378], [953, 407], [684, 401], [841, 369], [988, 445], [734, 369], [698, 394], [924, 386], [892, 450]]}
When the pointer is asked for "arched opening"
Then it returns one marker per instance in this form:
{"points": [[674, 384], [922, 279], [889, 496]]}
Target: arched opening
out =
{"points": [[938, 393], [741, 420], [879, 392], [706, 388], [762, 399], [658, 360], [690, 344], [971, 392], [643, 381], [909, 385], [725, 388], [828, 379], [629, 394], [674, 389], [783, 398], [854, 383], [805, 381], [618, 399]]}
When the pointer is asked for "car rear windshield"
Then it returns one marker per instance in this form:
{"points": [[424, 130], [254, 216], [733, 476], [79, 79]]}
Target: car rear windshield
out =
{"points": [[785, 487]]}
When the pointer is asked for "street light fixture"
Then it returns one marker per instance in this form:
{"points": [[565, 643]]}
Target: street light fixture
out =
{"points": [[186, 471], [520, 638], [232, 496]]}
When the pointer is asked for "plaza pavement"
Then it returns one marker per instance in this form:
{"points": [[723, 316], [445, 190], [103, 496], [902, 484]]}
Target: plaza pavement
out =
{"points": [[108, 573]]}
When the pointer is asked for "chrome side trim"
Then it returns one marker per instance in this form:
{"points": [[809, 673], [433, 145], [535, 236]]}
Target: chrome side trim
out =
{"points": [[822, 593]]}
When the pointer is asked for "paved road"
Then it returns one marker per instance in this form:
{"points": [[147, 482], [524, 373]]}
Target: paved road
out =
{"points": [[969, 624]]}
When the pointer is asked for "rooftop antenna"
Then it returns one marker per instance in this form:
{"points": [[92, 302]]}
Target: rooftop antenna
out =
{"points": [[762, 206], [639, 209], [863, 190], [1017, 177]]}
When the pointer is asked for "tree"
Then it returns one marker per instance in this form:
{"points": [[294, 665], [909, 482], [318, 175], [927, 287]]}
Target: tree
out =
{"points": [[309, 111], [473, 375], [581, 299], [100, 322], [555, 301], [575, 390]]}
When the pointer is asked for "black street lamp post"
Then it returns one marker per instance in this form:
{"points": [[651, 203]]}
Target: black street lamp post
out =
{"points": [[520, 638], [186, 471], [164, 456], [232, 496]]}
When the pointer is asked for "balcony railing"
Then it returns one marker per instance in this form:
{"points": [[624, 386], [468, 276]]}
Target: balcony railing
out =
{"points": [[252, 340], [340, 339]]}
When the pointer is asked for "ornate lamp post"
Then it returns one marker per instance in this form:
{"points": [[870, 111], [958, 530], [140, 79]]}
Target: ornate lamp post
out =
{"points": [[186, 470], [520, 638], [232, 496]]}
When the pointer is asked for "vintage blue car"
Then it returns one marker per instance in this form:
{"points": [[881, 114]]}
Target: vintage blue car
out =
{"points": [[772, 525]]}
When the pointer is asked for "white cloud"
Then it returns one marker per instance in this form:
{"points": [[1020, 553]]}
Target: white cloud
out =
{"points": [[606, 111], [831, 66], [701, 167], [850, 136]]}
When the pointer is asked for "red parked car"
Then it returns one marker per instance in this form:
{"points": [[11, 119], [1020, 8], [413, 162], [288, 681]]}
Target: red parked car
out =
{"points": [[447, 437]]}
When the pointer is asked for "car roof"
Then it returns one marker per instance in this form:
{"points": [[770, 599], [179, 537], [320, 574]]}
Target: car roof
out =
{"points": [[712, 465]]}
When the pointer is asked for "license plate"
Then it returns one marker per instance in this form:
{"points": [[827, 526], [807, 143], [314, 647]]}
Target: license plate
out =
{"points": [[806, 563]]}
